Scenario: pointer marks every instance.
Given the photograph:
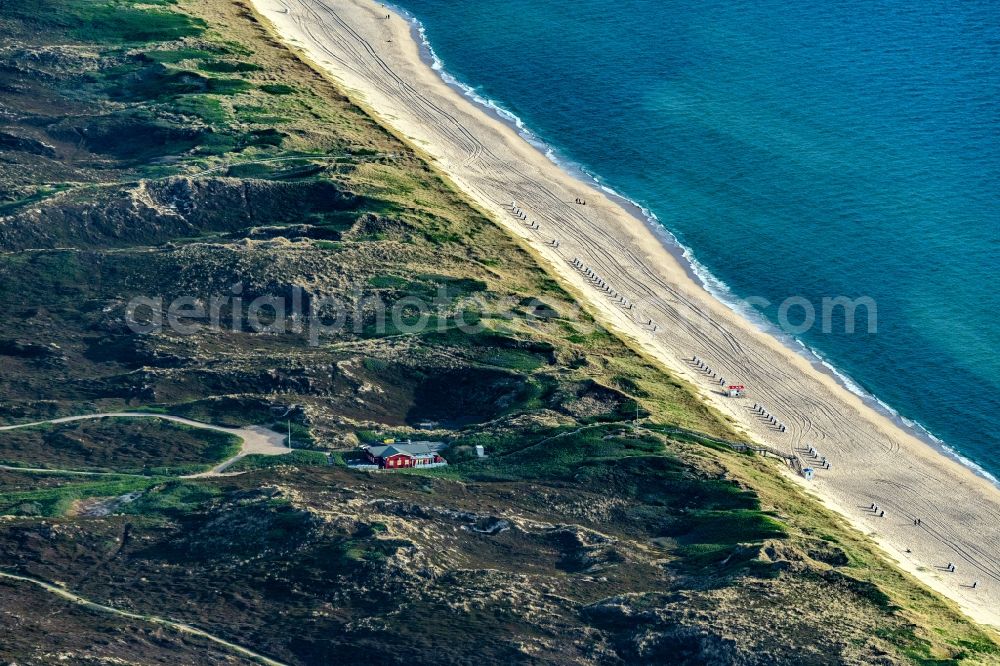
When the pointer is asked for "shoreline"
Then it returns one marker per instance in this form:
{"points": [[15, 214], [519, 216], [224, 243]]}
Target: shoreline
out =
{"points": [[377, 62], [684, 255]]}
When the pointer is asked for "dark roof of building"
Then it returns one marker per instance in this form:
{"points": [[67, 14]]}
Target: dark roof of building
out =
{"points": [[410, 449]]}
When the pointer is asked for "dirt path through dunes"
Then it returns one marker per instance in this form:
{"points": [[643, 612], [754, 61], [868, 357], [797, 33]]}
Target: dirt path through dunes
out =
{"points": [[152, 619], [256, 440]]}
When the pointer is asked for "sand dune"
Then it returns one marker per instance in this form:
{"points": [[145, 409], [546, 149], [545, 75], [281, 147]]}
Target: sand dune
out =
{"points": [[377, 62]]}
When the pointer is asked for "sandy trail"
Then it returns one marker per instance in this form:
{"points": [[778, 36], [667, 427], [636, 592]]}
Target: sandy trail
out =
{"points": [[256, 440], [377, 62], [152, 619]]}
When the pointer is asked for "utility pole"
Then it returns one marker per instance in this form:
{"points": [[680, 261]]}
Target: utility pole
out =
{"points": [[289, 434]]}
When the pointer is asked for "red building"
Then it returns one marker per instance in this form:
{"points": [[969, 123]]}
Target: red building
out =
{"points": [[411, 454]]}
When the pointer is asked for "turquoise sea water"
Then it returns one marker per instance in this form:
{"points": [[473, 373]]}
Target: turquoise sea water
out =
{"points": [[812, 149]]}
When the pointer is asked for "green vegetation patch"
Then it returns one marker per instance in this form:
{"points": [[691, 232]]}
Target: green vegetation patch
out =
{"points": [[173, 56], [122, 21], [225, 411], [173, 498], [297, 458], [207, 108], [108, 20], [228, 67], [277, 89], [58, 500], [160, 83]]}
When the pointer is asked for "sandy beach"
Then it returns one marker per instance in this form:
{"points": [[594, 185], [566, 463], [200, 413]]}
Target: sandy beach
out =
{"points": [[377, 62]]}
